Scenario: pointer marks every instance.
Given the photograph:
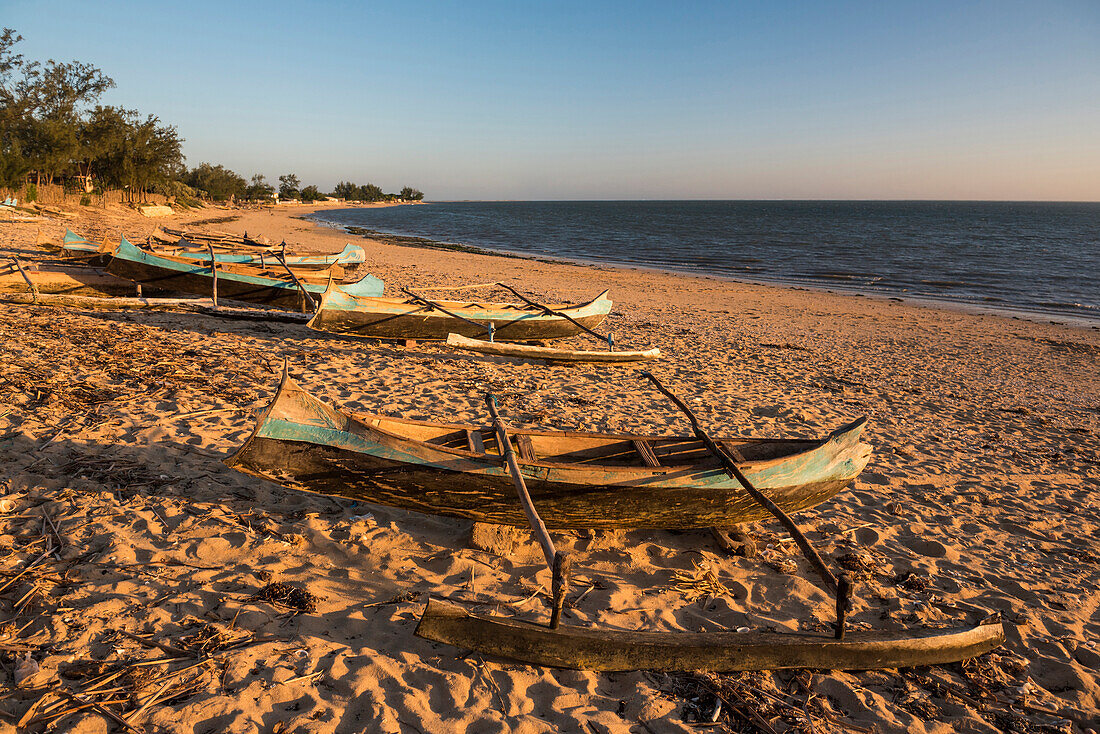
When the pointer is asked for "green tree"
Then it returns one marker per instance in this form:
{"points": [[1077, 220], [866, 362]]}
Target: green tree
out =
{"points": [[259, 189], [216, 182], [124, 151], [369, 192], [288, 186], [346, 190], [52, 99], [410, 194], [312, 193], [13, 164]]}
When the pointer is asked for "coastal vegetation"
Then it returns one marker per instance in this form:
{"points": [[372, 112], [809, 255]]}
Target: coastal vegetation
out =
{"points": [[55, 133]]}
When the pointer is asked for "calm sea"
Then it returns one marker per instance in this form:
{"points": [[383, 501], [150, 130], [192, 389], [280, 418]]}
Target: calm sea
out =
{"points": [[1042, 258]]}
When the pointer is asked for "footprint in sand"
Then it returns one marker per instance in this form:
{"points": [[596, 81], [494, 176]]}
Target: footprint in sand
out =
{"points": [[925, 547], [868, 536]]}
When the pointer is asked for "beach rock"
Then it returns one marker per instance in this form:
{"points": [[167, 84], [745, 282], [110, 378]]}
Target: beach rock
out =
{"points": [[26, 671]]}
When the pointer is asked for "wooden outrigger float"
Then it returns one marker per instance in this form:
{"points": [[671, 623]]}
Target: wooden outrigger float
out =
{"points": [[579, 480], [244, 251], [416, 317], [550, 354], [238, 282], [614, 650]]}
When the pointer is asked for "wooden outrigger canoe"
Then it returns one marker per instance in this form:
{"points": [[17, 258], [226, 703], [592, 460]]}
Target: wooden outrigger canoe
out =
{"points": [[578, 480], [582, 648], [350, 255], [238, 282], [218, 239], [526, 351], [343, 312], [246, 251], [63, 280]]}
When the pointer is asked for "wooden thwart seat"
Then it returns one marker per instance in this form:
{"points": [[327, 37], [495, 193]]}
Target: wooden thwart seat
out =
{"points": [[474, 441], [734, 452], [526, 449]]}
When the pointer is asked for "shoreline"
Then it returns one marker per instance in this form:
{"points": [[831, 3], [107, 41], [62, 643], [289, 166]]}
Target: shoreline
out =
{"points": [[1006, 311]]}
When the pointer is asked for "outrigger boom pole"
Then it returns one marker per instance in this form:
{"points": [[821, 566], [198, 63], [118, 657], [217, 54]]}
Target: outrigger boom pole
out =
{"points": [[841, 587], [555, 559]]}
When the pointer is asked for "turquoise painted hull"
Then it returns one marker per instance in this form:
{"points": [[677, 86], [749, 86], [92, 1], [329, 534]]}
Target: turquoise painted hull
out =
{"points": [[144, 267], [350, 255], [343, 312], [75, 243], [305, 444]]}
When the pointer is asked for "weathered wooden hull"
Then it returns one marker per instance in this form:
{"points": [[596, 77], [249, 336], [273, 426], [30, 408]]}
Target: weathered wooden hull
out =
{"points": [[393, 318], [615, 650], [305, 444], [177, 274], [524, 351], [67, 280]]}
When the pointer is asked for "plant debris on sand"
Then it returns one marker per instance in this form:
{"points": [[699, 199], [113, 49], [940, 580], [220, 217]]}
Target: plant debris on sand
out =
{"points": [[285, 595]]}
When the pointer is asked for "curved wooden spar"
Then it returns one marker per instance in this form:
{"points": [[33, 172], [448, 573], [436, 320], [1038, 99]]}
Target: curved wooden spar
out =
{"points": [[524, 351], [611, 650]]}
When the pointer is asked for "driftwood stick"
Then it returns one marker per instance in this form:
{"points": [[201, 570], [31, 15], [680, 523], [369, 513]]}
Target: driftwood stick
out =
{"points": [[53, 528], [551, 312], [282, 261], [102, 711], [734, 541], [811, 554], [555, 559], [159, 645], [29, 566], [559, 585], [33, 287]]}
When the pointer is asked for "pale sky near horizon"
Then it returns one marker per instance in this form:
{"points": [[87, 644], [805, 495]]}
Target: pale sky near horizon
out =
{"points": [[587, 100]]}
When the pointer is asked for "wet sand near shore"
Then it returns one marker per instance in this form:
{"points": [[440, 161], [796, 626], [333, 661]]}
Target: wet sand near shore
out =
{"points": [[981, 496]]}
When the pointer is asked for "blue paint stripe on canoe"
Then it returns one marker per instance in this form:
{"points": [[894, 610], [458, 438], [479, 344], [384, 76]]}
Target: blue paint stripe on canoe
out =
{"points": [[820, 464], [368, 286], [73, 241]]}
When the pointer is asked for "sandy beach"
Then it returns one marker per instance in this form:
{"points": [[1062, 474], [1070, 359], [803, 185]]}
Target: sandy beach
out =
{"points": [[981, 497]]}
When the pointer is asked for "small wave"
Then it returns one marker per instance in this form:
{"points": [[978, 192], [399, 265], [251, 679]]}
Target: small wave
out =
{"points": [[1059, 304], [846, 276], [945, 283]]}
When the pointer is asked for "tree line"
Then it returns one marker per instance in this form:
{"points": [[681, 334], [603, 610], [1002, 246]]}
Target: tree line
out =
{"points": [[54, 131]]}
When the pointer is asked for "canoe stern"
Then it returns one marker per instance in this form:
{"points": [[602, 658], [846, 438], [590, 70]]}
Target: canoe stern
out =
{"points": [[352, 254]]}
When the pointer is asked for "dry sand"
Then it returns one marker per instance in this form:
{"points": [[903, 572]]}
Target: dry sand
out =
{"points": [[980, 496]]}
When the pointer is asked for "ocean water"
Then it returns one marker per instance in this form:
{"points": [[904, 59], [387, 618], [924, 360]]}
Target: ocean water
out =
{"points": [[1039, 258]]}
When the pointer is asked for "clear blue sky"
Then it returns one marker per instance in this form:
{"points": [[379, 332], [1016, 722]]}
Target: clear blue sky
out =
{"points": [[579, 100]]}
